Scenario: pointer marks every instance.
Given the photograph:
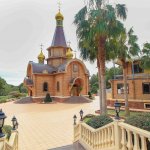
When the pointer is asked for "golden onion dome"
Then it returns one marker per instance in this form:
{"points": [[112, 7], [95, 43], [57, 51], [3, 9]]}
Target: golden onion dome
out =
{"points": [[59, 16], [41, 55], [69, 54]]}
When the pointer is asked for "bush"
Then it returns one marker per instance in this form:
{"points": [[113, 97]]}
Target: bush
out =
{"points": [[99, 121], [142, 120], [4, 99], [48, 98], [16, 94], [90, 95], [7, 130]]}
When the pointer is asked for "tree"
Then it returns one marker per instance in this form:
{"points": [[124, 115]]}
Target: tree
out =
{"points": [[110, 72], [97, 23], [127, 49], [22, 88], [94, 83], [145, 58]]}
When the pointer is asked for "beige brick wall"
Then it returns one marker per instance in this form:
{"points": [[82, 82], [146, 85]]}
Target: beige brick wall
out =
{"points": [[63, 79], [135, 89]]}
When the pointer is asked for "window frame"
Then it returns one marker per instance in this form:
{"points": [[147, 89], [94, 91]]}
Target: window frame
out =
{"points": [[58, 86], [143, 87], [139, 69], [45, 86], [123, 86]]}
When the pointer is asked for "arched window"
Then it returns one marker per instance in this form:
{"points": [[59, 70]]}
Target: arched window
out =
{"points": [[45, 87], [58, 86]]}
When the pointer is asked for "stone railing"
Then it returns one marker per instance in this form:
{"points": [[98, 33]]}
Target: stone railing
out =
{"points": [[12, 144], [114, 136], [134, 76]]}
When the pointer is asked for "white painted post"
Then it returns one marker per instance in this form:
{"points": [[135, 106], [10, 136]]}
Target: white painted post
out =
{"points": [[117, 135]]}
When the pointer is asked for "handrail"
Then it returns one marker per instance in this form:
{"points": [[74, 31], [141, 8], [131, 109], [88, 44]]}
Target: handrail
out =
{"points": [[114, 136], [131, 76], [12, 144]]}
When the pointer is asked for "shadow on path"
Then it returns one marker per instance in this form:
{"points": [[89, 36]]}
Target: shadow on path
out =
{"points": [[75, 146], [25, 100], [67, 147]]}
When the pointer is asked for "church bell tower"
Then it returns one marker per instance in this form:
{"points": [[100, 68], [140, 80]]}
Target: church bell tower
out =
{"points": [[58, 49]]}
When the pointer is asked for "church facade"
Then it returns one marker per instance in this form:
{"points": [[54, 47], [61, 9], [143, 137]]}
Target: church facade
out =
{"points": [[61, 75]]}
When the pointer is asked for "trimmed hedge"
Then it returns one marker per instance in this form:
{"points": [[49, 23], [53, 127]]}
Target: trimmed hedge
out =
{"points": [[48, 98], [99, 121], [142, 120], [7, 130]]}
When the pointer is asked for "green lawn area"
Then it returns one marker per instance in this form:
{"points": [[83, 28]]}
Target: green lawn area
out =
{"points": [[122, 113], [4, 99], [113, 113], [14, 96]]}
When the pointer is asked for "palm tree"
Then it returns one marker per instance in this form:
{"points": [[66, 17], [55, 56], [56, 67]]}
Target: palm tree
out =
{"points": [[97, 23], [145, 58], [127, 49]]}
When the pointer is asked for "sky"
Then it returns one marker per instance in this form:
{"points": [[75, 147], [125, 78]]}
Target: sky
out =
{"points": [[25, 24]]}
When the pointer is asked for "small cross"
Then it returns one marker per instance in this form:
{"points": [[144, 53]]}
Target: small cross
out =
{"points": [[41, 46], [59, 5], [75, 53], [69, 43]]}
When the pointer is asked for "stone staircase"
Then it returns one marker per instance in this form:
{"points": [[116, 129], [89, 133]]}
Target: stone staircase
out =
{"points": [[77, 99], [75, 146]]}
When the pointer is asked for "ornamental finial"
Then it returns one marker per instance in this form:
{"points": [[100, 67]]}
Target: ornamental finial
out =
{"points": [[41, 46], [59, 5]]}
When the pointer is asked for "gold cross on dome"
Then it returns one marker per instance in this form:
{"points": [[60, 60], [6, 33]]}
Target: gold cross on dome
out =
{"points": [[41, 46], [69, 43], [75, 53], [59, 5]]}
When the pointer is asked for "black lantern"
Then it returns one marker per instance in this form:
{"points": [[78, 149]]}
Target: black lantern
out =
{"points": [[2, 119], [81, 115], [14, 123], [75, 118], [117, 106]]}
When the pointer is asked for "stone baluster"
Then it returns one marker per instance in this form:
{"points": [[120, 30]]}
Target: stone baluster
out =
{"points": [[112, 136], [103, 139], [97, 143], [88, 135], [109, 136], [106, 137], [129, 143], [94, 140], [123, 139], [136, 142], [143, 143], [100, 140]]}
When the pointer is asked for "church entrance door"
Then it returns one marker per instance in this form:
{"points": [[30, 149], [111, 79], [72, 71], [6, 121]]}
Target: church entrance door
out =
{"points": [[77, 87]]}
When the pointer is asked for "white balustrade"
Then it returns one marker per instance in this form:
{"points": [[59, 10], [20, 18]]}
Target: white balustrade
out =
{"points": [[114, 136]]}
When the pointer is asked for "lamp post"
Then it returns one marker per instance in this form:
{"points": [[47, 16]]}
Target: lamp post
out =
{"points": [[14, 123], [75, 118], [117, 106], [81, 115], [2, 119]]}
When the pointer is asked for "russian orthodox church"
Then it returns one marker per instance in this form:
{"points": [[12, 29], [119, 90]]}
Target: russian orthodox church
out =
{"points": [[61, 75]]}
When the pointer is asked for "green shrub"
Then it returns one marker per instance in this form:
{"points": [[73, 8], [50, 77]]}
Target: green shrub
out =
{"points": [[48, 98], [7, 130], [90, 95], [142, 120], [16, 94], [87, 117], [4, 99], [99, 121]]}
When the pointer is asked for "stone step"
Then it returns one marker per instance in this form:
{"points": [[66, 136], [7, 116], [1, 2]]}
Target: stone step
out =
{"points": [[75, 146], [77, 99]]}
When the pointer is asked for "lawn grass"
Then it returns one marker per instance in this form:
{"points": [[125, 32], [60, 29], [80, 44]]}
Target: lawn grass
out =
{"points": [[122, 113], [4, 99], [112, 112]]}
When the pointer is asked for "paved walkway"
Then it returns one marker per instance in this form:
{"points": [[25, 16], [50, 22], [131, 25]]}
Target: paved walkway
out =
{"points": [[46, 126]]}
